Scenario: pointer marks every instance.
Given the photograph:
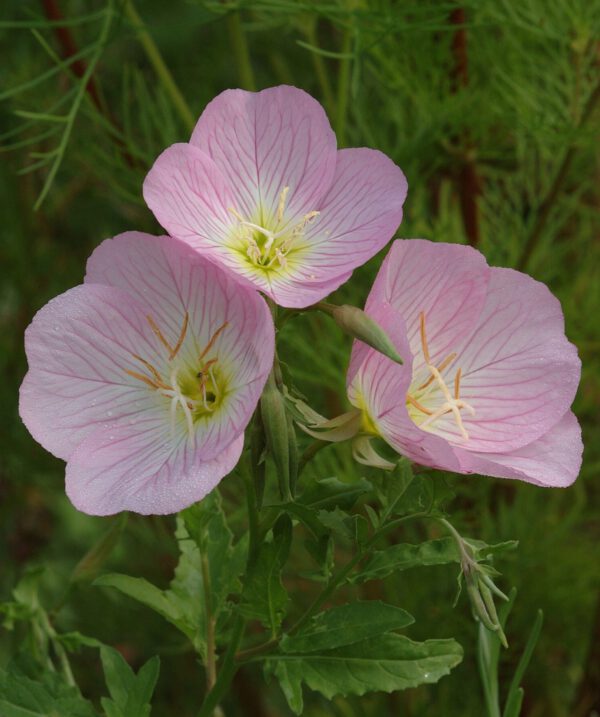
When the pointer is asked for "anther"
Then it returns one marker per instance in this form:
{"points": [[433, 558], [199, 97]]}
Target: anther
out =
{"points": [[281, 207], [424, 337], [181, 338], [213, 338], [418, 405]]}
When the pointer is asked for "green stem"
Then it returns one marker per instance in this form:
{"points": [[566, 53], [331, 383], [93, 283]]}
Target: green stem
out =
{"points": [[310, 452], [346, 569], [319, 65], [253, 523], [211, 662], [227, 671], [162, 71], [343, 88], [333, 584], [238, 41]]}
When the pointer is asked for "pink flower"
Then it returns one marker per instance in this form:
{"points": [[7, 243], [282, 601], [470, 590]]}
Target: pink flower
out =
{"points": [[488, 376], [144, 378], [261, 190]]}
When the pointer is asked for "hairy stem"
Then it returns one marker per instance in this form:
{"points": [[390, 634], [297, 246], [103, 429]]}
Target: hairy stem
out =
{"points": [[211, 662], [227, 671]]}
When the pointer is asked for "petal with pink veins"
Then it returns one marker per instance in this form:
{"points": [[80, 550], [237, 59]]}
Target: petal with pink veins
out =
{"points": [[79, 347], [121, 468], [379, 386], [265, 141], [359, 214], [445, 282], [519, 371], [171, 280], [552, 461]]}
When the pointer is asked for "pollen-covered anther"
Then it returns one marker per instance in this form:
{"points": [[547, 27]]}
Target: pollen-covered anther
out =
{"points": [[452, 403], [268, 247]]}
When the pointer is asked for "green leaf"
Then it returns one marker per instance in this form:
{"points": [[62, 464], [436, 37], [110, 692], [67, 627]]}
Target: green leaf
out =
{"points": [[264, 598], [74, 641], [333, 493], [206, 525], [182, 604], [406, 555], [48, 696], [345, 625], [91, 563], [131, 693], [384, 663], [432, 552]]}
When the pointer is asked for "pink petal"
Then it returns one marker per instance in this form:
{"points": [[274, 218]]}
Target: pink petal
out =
{"points": [[553, 460], [265, 141], [119, 468], [192, 200], [301, 289], [519, 371], [170, 279], [78, 347], [379, 386], [447, 282], [359, 214]]}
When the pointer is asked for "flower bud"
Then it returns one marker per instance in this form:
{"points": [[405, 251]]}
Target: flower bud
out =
{"points": [[357, 324], [274, 418]]}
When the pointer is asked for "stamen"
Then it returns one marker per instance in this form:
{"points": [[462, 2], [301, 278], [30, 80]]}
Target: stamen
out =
{"points": [[281, 207], [214, 337], [440, 368], [457, 384], [416, 404], [159, 334], [452, 404], [141, 377], [158, 381], [424, 338], [235, 213], [175, 350]]}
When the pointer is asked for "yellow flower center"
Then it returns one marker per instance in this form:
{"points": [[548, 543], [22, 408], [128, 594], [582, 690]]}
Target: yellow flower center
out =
{"points": [[197, 389], [422, 399], [267, 243]]}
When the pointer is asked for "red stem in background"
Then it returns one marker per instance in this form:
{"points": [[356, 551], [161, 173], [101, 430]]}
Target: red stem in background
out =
{"points": [[469, 185], [69, 48]]}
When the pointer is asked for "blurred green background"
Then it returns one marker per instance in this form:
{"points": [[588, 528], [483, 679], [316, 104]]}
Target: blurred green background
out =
{"points": [[490, 108]]}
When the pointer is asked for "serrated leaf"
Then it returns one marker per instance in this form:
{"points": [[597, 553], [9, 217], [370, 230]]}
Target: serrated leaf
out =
{"points": [[432, 552], [206, 524], [264, 598], [130, 693], [161, 601], [346, 624], [406, 555], [385, 663], [48, 696], [182, 604]]}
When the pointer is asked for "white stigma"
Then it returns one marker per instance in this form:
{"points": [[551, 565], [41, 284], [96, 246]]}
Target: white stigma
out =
{"points": [[278, 240]]}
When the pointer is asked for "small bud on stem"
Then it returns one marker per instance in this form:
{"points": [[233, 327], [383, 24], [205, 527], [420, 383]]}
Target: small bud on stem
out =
{"points": [[360, 326]]}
